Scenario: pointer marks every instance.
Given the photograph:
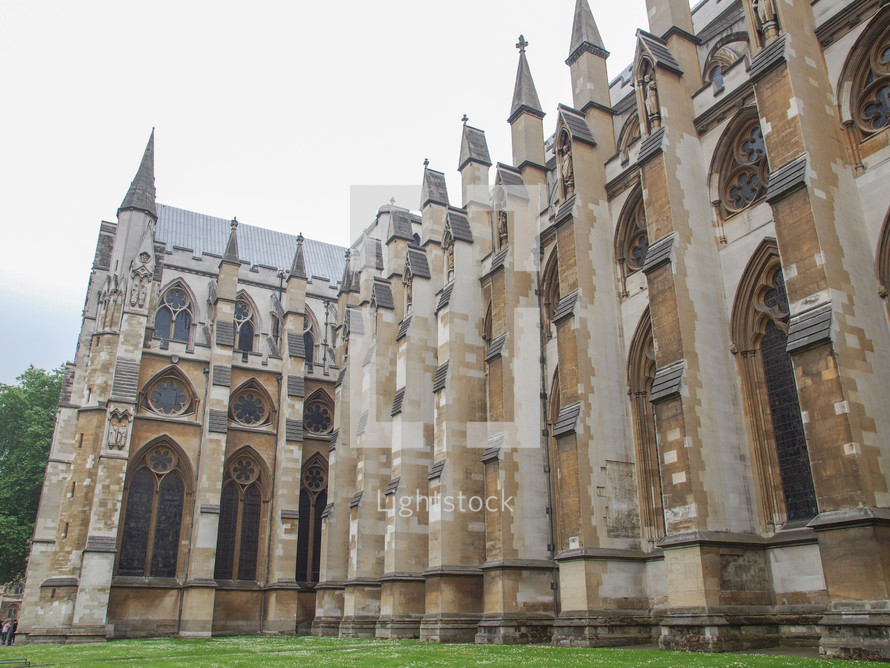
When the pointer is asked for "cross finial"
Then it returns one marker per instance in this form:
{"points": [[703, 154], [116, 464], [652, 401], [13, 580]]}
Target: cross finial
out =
{"points": [[234, 223], [300, 239], [465, 119], [392, 201], [521, 44], [426, 162]]}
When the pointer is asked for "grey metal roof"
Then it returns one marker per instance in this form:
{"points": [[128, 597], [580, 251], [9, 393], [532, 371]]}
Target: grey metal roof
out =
{"points": [[381, 293], [400, 221], [256, 245], [434, 188], [509, 175], [445, 296], [459, 225], [786, 179], [658, 253], [565, 307], [567, 419], [440, 377], [403, 327], [651, 145], [667, 382], [764, 61], [417, 261], [496, 348], [809, 328], [397, 402]]}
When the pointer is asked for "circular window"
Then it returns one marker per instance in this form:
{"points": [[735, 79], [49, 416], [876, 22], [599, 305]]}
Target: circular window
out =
{"points": [[244, 471], [168, 397], [314, 479], [248, 408], [161, 460], [317, 418]]}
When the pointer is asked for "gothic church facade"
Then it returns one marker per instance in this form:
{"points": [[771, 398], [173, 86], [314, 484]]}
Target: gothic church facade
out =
{"points": [[630, 387]]}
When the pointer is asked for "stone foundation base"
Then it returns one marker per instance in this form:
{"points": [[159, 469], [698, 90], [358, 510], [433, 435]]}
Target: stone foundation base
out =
{"points": [[393, 628], [717, 633], [326, 626], [45, 636], [514, 630], [856, 635], [450, 628], [612, 630], [358, 627]]}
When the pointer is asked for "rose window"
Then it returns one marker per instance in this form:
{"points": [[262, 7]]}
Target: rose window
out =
{"points": [[161, 460], [248, 408], [748, 170], [168, 397], [314, 479], [175, 299], [244, 471], [317, 418]]}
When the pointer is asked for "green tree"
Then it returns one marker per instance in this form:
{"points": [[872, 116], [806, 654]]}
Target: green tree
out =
{"points": [[27, 419]]}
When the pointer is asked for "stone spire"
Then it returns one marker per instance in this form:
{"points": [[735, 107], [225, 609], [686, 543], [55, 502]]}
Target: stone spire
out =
{"points": [[525, 95], [141, 195], [585, 35], [231, 253], [298, 267]]}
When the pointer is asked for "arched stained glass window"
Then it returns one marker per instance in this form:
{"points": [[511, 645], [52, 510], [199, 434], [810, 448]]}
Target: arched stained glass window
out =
{"points": [[313, 498], [244, 326], [169, 395], [173, 320], [318, 413], [153, 514], [240, 521]]}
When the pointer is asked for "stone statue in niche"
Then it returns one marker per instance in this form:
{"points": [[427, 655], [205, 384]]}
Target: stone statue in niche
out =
{"points": [[765, 20], [566, 166], [502, 228], [118, 426], [650, 98], [448, 246], [409, 292]]}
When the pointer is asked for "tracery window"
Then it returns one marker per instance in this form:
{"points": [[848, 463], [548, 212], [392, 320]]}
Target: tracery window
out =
{"points": [[745, 170], [249, 406], [240, 519], [244, 327], [550, 291], [318, 413], [173, 320], [169, 395], [633, 235], [313, 498], [871, 87], [153, 515], [760, 326]]}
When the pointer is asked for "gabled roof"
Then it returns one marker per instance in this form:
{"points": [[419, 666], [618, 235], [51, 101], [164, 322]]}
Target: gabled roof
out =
{"points": [[473, 147], [585, 35], [657, 49], [141, 195], [459, 224], [577, 125], [434, 188], [417, 262], [512, 180], [400, 224]]}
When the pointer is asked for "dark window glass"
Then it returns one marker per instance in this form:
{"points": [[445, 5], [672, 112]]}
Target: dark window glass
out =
{"points": [[317, 418], [168, 397], [309, 345], [163, 320], [250, 533], [303, 536], [167, 525], [137, 524], [320, 502], [225, 540], [248, 408], [182, 326], [791, 444], [245, 337]]}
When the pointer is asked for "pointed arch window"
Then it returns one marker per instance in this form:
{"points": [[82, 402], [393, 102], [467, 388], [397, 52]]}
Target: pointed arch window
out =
{"points": [[240, 520], [760, 327], [250, 406], [318, 413], [244, 326], [640, 374], [169, 395], [313, 498], [633, 235], [154, 503], [173, 320], [744, 170], [550, 291]]}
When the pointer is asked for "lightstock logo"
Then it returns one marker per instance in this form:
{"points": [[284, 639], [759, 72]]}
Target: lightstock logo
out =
{"points": [[409, 505], [452, 249]]}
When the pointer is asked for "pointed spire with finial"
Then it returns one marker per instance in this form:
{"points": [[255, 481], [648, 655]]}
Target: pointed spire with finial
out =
{"points": [[298, 266], [231, 253], [525, 95], [141, 195], [585, 35]]}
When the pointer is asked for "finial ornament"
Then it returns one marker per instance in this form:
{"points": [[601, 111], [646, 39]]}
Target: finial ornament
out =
{"points": [[426, 162], [392, 201], [300, 239], [465, 119], [234, 223], [521, 44]]}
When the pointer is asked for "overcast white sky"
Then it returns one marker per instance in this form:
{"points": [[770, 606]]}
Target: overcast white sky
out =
{"points": [[268, 111]]}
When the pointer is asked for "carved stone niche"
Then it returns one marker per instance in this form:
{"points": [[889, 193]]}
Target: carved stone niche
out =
{"points": [[118, 429]]}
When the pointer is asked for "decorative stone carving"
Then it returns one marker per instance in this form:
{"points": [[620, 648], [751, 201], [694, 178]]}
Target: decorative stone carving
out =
{"points": [[765, 20], [650, 99], [566, 168], [118, 429]]}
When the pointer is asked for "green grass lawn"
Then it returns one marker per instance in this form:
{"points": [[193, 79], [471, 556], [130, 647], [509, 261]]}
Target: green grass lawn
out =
{"points": [[308, 651]]}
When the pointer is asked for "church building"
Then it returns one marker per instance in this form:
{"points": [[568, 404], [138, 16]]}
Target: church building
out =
{"points": [[628, 386]]}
